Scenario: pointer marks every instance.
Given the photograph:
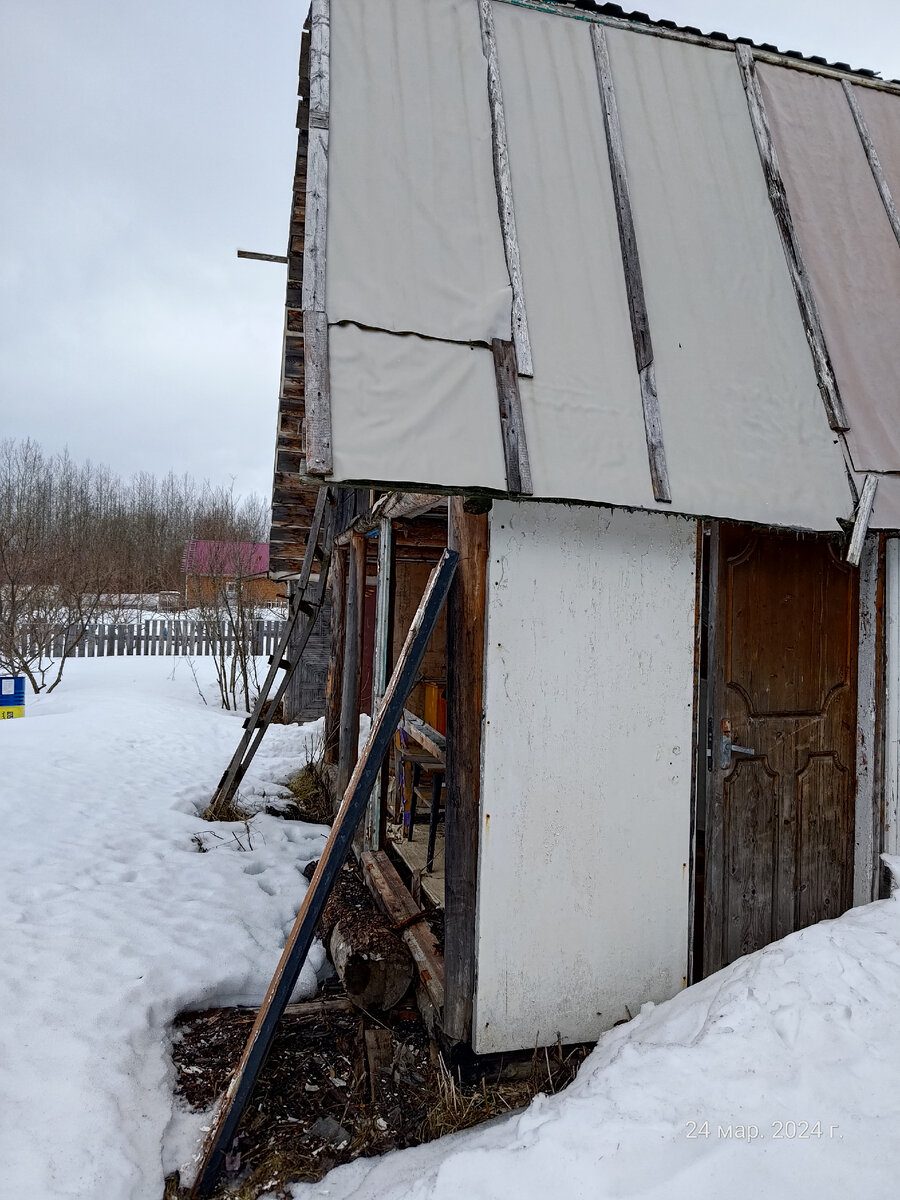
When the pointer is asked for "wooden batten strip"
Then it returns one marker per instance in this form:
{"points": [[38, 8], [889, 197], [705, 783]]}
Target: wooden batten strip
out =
{"points": [[512, 421], [872, 155], [634, 283], [503, 183], [315, 322], [799, 275], [861, 523], [317, 386]]}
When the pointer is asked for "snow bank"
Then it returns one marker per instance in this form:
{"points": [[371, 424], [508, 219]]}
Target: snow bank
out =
{"points": [[112, 920], [777, 1077]]}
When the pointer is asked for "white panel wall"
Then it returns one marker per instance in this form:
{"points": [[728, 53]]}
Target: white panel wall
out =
{"points": [[585, 823], [892, 714]]}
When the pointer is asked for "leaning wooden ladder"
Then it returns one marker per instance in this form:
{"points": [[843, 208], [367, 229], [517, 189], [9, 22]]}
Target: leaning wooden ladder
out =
{"points": [[306, 604]]}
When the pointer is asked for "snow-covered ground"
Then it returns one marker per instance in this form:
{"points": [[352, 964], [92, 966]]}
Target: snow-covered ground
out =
{"points": [[112, 920], [778, 1077]]}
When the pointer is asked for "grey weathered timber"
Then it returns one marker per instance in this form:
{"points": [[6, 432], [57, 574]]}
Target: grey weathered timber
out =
{"points": [[317, 159], [335, 686], [372, 830], [872, 155], [512, 421], [317, 391], [503, 183], [861, 521], [468, 535], [319, 460], [303, 931], [809, 312], [634, 283], [348, 746]]}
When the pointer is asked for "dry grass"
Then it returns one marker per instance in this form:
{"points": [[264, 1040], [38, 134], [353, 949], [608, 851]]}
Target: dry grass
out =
{"points": [[312, 795]]}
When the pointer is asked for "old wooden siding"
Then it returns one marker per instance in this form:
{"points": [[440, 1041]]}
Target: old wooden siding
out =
{"points": [[586, 786], [293, 503], [305, 698]]}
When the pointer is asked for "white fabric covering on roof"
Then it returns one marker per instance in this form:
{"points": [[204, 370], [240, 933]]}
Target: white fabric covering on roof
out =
{"points": [[414, 243], [583, 418], [413, 410], [744, 426], [414, 238]]}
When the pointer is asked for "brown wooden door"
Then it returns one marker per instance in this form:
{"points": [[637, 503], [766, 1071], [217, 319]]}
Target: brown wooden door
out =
{"points": [[780, 820]]}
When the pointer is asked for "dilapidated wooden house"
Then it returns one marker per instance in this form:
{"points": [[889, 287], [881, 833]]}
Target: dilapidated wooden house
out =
{"points": [[612, 306]]}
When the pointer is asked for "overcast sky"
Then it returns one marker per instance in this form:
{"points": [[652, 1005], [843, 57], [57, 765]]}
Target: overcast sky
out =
{"points": [[141, 144]]}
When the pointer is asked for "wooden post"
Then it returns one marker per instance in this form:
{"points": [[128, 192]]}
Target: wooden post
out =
{"points": [[349, 728], [467, 534], [336, 666], [372, 832]]}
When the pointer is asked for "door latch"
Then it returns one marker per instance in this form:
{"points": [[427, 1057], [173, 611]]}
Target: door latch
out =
{"points": [[728, 746]]}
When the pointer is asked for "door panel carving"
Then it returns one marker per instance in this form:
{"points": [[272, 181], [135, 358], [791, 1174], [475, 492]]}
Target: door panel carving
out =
{"points": [[779, 847]]}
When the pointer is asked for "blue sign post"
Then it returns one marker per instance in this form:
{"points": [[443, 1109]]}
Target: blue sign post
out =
{"points": [[12, 696]]}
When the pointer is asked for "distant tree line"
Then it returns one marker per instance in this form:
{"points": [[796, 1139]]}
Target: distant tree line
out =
{"points": [[76, 539]]}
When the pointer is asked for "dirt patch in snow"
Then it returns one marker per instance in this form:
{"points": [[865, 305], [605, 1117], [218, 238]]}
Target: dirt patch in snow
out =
{"points": [[322, 1100]]}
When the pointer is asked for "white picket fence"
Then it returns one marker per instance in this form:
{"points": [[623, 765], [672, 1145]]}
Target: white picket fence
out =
{"points": [[166, 636]]}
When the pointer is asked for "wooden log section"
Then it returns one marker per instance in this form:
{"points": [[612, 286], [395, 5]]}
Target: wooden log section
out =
{"points": [[468, 535], [371, 960]]}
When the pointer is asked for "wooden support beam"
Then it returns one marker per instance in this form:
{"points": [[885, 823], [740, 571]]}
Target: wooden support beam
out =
{"points": [[861, 522], [240, 1089], [468, 536], [335, 685], [372, 834], [503, 182], [512, 420], [875, 166], [276, 258], [350, 691], [634, 282], [806, 302], [317, 393]]}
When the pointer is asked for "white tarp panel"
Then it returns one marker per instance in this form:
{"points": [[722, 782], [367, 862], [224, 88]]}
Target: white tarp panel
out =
{"points": [[585, 818], [583, 417], [413, 410], [743, 422], [415, 244], [849, 247], [414, 238]]}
